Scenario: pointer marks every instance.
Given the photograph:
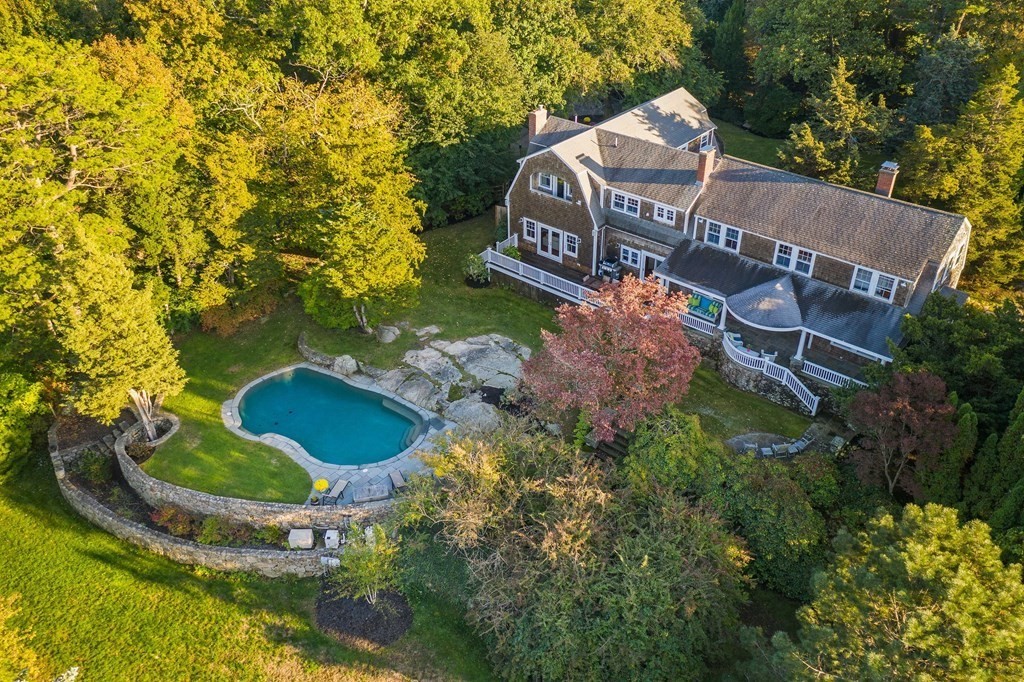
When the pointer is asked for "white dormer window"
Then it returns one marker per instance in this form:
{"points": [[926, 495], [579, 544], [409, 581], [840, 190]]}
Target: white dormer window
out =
{"points": [[625, 204], [664, 214], [722, 235], [874, 284], [554, 185], [732, 239]]}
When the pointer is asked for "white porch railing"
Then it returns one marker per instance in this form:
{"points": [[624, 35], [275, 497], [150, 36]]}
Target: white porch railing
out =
{"points": [[697, 323], [527, 273], [776, 372], [505, 243], [829, 376]]}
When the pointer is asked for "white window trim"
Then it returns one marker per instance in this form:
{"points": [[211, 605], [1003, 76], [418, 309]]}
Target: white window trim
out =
{"points": [[575, 252], [666, 210], [624, 250], [536, 227], [625, 203], [552, 189], [873, 284], [724, 227], [793, 259], [739, 238]]}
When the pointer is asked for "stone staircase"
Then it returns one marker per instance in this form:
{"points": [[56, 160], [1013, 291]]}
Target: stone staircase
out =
{"points": [[106, 444], [616, 449]]}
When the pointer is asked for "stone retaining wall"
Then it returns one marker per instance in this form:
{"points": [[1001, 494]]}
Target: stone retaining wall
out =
{"points": [[159, 493], [267, 562], [313, 355]]}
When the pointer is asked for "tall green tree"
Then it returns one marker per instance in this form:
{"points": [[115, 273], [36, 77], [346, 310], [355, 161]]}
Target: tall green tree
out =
{"points": [[941, 480], [919, 597], [21, 403], [116, 348], [842, 128], [974, 167], [728, 53]]}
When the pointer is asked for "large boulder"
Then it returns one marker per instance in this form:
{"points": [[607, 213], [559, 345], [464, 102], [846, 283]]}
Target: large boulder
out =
{"points": [[346, 365], [474, 415], [419, 390], [387, 334], [439, 367], [494, 360]]}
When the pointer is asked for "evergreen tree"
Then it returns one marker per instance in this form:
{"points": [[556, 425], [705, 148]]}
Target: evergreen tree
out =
{"points": [[115, 346], [921, 597], [978, 498], [941, 480], [841, 128], [974, 167], [21, 403], [728, 53]]}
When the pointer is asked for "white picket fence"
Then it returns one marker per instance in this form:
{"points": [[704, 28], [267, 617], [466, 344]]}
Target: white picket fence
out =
{"points": [[829, 376], [505, 243], [527, 273], [776, 372]]}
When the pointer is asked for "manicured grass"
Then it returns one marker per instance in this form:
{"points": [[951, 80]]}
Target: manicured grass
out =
{"points": [[121, 613], [747, 145], [726, 411], [206, 456]]}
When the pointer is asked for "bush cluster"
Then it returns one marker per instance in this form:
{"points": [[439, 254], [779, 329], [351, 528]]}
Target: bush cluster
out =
{"points": [[95, 467], [225, 319]]}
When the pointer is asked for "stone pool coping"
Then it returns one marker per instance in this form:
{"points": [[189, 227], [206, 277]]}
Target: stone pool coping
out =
{"points": [[357, 474]]}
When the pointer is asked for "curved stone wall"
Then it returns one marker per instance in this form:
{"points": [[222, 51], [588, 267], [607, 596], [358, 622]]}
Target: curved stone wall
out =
{"points": [[267, 562], [159, 493]]}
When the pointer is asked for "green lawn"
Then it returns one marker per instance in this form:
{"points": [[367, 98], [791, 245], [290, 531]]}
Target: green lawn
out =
{"points": [[206, 456], [726, 411], [747, 145], [121, 613]]}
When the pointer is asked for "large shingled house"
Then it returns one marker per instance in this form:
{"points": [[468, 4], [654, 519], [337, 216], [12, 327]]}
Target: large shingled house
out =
{"points": [[793, 276]]}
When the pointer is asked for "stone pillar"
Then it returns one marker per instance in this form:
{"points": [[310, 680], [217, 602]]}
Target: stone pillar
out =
{"points": [[725, 311]]}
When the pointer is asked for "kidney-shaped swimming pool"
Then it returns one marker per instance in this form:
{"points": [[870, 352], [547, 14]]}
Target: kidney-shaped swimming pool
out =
{"points": [[333, 421]]}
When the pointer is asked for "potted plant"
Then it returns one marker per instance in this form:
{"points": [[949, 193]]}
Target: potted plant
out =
{"points": [[476, 272]]}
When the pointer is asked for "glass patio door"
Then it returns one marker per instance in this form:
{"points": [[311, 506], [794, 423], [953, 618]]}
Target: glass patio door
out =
{"points": [[550, 243]]}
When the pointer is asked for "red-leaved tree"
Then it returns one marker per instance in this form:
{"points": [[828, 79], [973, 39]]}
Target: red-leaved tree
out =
{"points": [[905, 424], [619, 361]]}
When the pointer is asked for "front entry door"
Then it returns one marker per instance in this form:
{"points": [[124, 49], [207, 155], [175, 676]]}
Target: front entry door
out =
{"points": [[550, 243]]}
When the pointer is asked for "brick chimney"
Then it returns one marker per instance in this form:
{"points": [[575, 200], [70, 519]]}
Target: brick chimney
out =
{"points": [[887, 178], [537, 119], [705, 165]]}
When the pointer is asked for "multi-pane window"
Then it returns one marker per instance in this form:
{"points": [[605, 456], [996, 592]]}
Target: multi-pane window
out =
{"points": [[804, 261], [625, 204], [862, 280], [629, 256], [714, 234], [784, 256], [572, 245], [664, 214], [884, 287], [554, 185], [732, 239], [530, 230]]}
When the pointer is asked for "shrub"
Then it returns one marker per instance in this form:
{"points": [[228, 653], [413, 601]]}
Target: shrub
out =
{"points": [[271, 535], [225, 319], [216, 530], [367, 567], [512, 252], [95, 467], [178, 522], [475, 268]]}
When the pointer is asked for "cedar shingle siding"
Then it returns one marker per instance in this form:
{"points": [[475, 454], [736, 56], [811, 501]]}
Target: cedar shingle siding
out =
{"points": [[757, 247], [833, 271], [572, 217]]}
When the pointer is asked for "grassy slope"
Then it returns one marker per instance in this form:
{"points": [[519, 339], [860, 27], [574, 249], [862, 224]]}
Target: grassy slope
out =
{"points": [[206, 456], [747, 145], [726, 411], [121, 613]]}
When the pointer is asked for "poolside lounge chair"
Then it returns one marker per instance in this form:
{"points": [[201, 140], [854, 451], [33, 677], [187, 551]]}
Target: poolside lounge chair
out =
{"points": [[766, 452], [780, 450], [798, 447], [336, 492], [398, 480]]}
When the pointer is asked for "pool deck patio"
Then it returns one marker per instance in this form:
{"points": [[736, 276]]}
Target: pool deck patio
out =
{"points": [[358, 476]]}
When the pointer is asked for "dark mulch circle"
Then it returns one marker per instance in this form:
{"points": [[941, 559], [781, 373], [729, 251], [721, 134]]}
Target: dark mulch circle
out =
{"points": [[354, 621]]}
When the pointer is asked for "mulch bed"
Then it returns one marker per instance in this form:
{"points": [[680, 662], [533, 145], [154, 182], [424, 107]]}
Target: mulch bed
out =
{"points": [[355, 622], [74, 429]]}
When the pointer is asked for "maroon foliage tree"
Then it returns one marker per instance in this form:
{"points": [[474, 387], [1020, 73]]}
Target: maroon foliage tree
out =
{"points": [[618, 361], [905, 425]]}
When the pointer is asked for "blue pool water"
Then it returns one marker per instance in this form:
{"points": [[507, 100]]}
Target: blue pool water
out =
{"points": [[334, 422]]}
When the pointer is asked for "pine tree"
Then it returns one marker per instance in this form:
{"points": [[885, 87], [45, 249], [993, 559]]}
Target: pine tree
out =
{"points": [[115, 345], [978, 500], [728, 53], [841, 128], [941, 480], [973, 167]]}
